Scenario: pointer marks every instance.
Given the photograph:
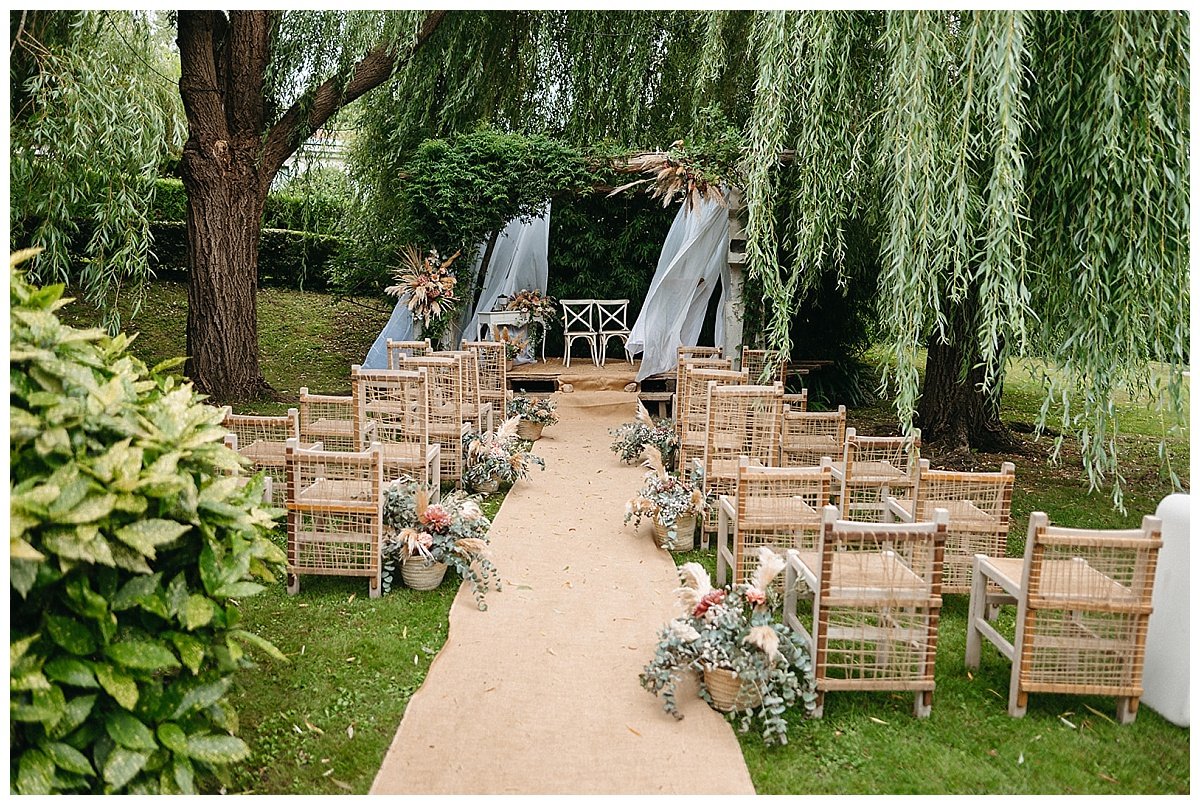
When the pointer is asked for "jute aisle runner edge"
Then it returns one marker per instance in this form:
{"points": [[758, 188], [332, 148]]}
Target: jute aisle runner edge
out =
{"points": [[540, 693]]}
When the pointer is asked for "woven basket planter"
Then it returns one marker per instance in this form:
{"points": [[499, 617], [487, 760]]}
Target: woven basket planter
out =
{"points": [[685, 533], [487, 487], [529, 431], [421, 574], [727, 691]]}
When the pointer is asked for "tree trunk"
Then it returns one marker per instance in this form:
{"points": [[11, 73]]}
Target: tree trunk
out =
{"points": [[954, 413], [224, 215]]}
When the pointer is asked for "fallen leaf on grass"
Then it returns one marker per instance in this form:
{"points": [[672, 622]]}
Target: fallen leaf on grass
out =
{"points": [[327, 772], [994, 693], [302, 651], [1104, 776], [342, 785], [1097, 712], [838, 733], [350, 659], [350, 732], [301, 606], [1068, 723], [414, 659], [404, 635], [877, 720], [993, 753], [296, 727], [631, 729], [1020, 758], [313, 727], [350, 600], [970, 675]]}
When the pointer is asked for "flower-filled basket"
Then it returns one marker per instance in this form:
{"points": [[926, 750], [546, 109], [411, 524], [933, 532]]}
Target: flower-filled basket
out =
{"points": [[423, 539], [497, 457], [631, 438], [535, 414], [749, 663], [671, 503]]}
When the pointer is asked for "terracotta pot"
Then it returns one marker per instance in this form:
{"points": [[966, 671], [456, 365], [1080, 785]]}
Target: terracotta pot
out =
{"points": [[685, 533], [529, 431], [421, 574], [727, 691]]}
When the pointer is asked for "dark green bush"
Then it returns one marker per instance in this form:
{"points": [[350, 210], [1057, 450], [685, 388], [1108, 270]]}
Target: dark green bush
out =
{"points": [[170, 202], [130, 544]]}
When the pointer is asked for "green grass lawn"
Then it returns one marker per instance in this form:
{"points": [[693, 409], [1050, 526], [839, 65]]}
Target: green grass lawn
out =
{"points": [[354, 661]]}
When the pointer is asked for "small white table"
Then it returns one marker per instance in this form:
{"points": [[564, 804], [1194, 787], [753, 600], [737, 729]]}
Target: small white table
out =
{"points": [[491, 321]]}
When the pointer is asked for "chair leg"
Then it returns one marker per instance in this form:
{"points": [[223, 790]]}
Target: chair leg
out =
{"points": [[293, 584], [722, 542], [819, 705], [975, 611], [1127, 707], [923, 703], [376, 589]]}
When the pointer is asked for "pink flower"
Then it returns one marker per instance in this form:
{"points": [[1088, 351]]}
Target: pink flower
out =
{"points": [[755, 596], [437, 518], [710, 598]]}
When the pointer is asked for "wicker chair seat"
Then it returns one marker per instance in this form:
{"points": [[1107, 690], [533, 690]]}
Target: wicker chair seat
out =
{"points": [[1067, 581], [343, 428], [268, 454], [331, 493], [774, 513], [863, 575]]}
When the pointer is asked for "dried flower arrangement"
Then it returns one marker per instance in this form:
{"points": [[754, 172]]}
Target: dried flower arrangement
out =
{"points": [[514, 343], [541, 311], [539, 411], [428, 282], [665, 498], [454, 532], [631, 438], [732, 629], [499, 454]]}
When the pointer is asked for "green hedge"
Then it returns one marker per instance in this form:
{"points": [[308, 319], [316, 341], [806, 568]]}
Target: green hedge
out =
{"points": [[286, 259], [321, 214]]}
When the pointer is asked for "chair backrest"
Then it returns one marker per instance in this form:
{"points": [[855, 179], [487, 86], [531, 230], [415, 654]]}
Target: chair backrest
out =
{"points": [[742, 421], [578, 315], [447, 387], [335, 510], [758, 361], [612, 315], [685, 351], [1087, 606], [807, 436], [979, 505], [493, 373], [469, 361], [328, 419], [391, 406], [878, 598], [797, 401], [682, 368], [262, 438], [406, 349], [693, 402], [780, 507], [874, 467]]}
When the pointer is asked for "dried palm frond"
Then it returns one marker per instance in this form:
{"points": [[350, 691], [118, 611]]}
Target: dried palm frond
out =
{"points": [[507, 429], [654, 461], [643, 415], [770, 565], [421, 500], [469, 546]]}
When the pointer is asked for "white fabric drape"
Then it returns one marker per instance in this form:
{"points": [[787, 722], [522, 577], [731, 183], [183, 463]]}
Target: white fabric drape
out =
{"points": [[518, 263], [693, 259]]}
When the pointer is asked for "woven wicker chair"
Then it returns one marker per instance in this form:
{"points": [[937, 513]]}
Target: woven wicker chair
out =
{"points": [[480, 414], [243, 480], [1083, 607], [797, 401], [875, 606], [979, 503], [391, 407], [742, 421], [755, 362], [875, 468], [328, 419], [262, 440], [779, 507], [693, 408], [679, 399], [406, 349], [447, 423], [808, 436], [493, 374], [334, 514]]}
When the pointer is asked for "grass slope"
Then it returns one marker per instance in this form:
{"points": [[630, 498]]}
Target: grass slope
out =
{"points": [[354, 662]]}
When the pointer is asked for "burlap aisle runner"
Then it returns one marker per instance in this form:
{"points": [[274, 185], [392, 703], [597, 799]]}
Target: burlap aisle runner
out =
{"points": [[540, 694]]}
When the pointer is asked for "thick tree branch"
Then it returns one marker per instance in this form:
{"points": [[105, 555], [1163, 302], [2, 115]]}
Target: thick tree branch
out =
{"points": [[375, 68], [198, 86], [249, 41]]}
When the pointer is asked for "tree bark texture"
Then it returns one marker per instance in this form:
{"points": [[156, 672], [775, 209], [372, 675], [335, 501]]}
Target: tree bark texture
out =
{"points": [[954, 413], [230, 158]]}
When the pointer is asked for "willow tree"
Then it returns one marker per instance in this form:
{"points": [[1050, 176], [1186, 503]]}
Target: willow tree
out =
{"points": [[1026, 174]]}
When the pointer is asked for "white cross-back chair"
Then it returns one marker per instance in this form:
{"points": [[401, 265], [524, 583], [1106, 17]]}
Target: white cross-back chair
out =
{"points": [[612, 322], [579, 323]]}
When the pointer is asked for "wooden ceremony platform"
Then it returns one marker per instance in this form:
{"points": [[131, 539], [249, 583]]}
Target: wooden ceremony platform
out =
{"points": [[549, 376]]}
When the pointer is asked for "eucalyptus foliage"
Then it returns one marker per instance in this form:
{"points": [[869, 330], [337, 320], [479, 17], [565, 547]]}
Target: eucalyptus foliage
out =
{"points": [[131, 542], [98, 114]]}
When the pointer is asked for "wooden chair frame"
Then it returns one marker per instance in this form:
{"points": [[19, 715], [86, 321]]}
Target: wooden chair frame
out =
{"points": [[754, 361], [874, 468], [579, 322], [1083, 601], [876, 602], [808, 436], [391, 408], [406, 349], [493, 374], [612, 321]]}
